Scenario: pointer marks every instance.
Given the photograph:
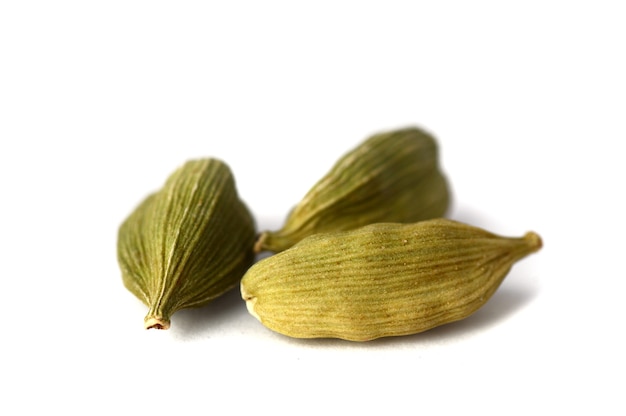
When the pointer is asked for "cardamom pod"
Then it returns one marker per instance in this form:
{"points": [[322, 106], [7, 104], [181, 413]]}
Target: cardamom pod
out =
{"points": [[188, 243], [381, 280], [390, 177]]}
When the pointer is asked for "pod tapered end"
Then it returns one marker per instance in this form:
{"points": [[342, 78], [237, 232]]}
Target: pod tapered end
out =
{"points": [[156, 322], [534, 241]]}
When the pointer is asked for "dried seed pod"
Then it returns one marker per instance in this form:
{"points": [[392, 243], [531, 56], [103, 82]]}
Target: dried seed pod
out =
{"points": [[188, 243], [381, 280], [390, 177]]}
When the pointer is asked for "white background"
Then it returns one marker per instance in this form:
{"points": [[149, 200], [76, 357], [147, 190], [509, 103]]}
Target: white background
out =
{"points": [[101, 101]]}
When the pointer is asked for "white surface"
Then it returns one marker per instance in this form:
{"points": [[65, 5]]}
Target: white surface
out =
{"points": [[100, 101]]}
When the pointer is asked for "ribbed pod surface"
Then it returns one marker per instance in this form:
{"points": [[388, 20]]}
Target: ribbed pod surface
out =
{"points": [[390, 177], [188, 243], [381, 280]]}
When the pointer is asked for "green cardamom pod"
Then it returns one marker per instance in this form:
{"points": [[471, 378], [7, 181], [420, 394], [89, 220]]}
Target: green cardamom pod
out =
{"points": [[188, 243], [390, 177], [381, 280]]}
